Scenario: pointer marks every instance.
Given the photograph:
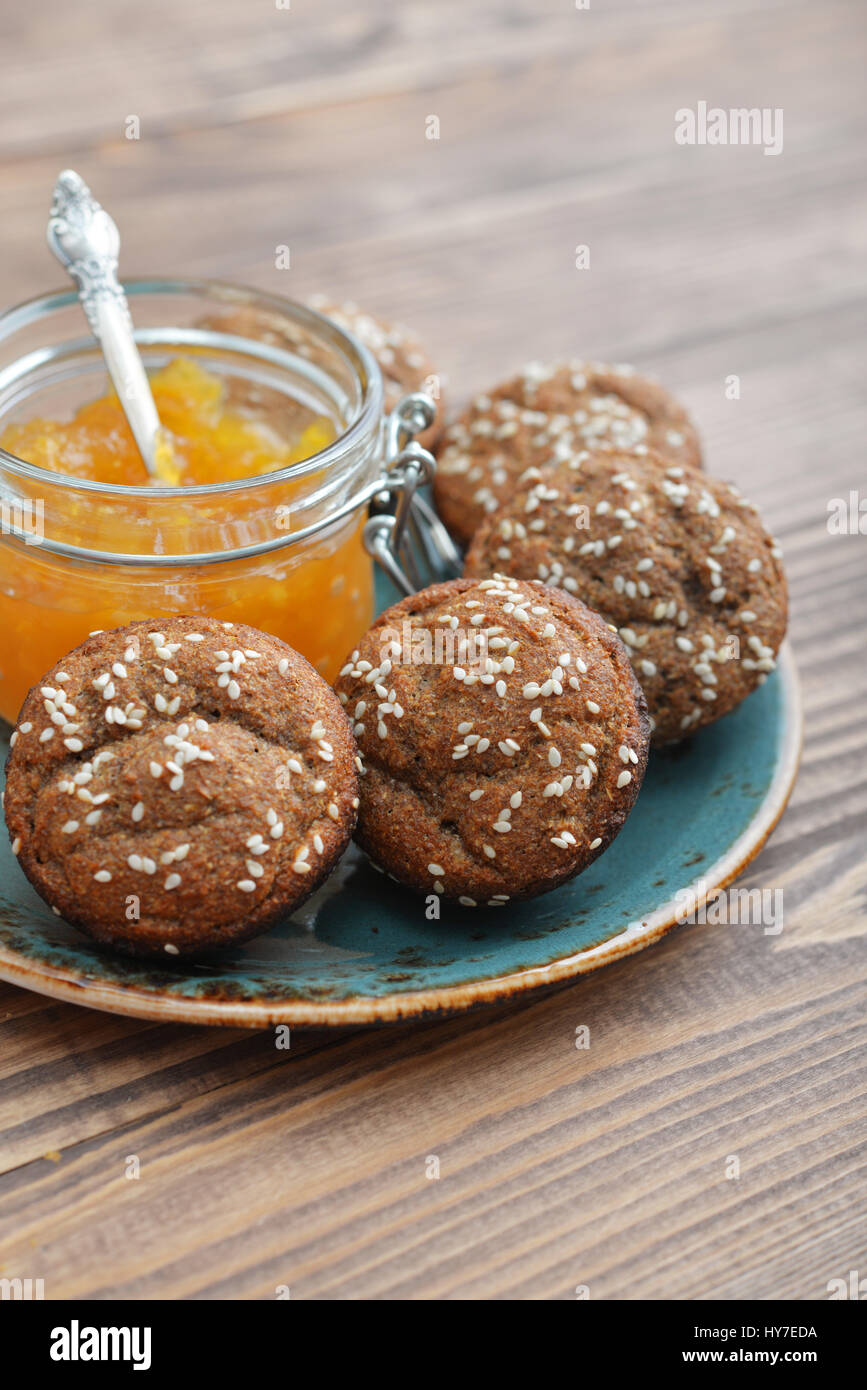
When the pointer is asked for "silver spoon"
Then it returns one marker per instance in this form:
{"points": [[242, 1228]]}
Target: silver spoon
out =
{"points": [[85, 240]]}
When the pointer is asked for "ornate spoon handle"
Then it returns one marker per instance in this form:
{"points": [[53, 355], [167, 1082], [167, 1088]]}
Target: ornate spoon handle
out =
{"points": [[85, 240]]}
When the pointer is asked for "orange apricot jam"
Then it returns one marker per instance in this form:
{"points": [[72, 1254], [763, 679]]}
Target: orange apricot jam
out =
{"points": [[317, 595]]}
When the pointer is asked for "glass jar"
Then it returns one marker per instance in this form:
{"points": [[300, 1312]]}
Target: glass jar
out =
{"points": [[284, 551]]}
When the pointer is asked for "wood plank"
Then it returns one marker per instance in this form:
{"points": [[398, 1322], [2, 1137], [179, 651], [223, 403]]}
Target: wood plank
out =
{"points": [[223, 62], [552, 1149]]}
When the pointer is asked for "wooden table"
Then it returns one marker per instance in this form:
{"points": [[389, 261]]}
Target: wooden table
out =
{"points": [[261, 127]]}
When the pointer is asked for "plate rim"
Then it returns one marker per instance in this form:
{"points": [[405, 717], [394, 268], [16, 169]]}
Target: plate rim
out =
{"points": [[137, 1002]]}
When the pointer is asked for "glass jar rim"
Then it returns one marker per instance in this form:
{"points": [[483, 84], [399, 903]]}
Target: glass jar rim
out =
{"points": [[366, 421]]}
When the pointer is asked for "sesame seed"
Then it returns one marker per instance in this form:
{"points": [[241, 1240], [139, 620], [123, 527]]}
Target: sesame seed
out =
{"points": [[624, 779], [594, 844], [246, 885], [102, 876], [554, 757], [172, 882], [69, 827], [436, 869]]}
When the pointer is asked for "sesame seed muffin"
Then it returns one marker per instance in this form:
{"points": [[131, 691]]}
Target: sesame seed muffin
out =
{"points": [[180, 784], [503, 739], [678, 562], [402, 359], [543, 417]]}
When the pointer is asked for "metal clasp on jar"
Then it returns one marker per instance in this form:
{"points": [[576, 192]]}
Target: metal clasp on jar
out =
{"points": [[404, 534]]}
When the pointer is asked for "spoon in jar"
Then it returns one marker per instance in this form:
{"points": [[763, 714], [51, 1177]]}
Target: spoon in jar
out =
{"points": [[85, 240]]}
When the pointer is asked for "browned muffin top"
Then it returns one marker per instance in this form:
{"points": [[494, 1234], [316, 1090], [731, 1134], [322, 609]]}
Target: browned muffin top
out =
{"points": [[503, 738], [403, 360], [544, 416], [678, 562], [180, 783]]}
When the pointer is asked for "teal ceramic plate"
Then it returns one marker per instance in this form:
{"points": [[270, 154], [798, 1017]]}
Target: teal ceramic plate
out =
{"points": [[362, 951]]}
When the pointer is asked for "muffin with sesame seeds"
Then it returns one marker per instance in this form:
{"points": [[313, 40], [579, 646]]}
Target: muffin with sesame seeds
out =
{"points": [[679, 563], [180, 784], [503, 739], [542, 417], [403, 360], [400, 354]]}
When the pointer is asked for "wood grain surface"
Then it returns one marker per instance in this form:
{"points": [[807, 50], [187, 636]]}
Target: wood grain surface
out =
{"points": [[558, 1167]]}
